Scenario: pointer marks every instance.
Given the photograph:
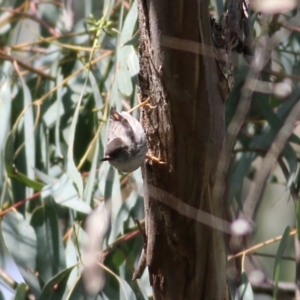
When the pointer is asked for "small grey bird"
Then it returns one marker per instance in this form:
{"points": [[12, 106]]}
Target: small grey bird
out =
{"points": [[126, 142]]}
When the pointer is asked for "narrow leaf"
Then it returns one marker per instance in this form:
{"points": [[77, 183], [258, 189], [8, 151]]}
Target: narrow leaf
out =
{"points": [[55, 288]]}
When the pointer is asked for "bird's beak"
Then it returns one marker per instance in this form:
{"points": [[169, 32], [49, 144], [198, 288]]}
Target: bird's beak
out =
{"points": [[106, 157]]}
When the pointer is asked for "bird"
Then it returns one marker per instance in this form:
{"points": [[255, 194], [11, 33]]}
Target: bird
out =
{"points": [[126, 145]]}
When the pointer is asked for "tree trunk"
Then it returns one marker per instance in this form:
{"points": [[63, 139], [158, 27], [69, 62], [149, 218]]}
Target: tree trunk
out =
{"points": [[185, 129]]}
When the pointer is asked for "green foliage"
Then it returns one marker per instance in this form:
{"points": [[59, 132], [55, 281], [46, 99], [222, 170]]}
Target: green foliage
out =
{"points": [[61, 70]]}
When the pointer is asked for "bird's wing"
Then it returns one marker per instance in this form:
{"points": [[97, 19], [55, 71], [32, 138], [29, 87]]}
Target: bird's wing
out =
{"points": [[119, 127]]}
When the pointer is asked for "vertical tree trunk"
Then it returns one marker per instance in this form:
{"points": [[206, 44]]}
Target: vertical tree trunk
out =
{"points": [[186, 259]]}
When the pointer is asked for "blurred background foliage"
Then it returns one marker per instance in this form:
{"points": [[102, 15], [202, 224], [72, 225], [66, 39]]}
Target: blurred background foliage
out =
{"points": [[63, 64]]}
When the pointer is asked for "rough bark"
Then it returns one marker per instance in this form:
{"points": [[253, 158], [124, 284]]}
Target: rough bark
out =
{"points": [[186, 259]]}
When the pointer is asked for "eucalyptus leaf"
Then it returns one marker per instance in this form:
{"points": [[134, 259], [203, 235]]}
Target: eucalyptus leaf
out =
{"points": [[28, 131], [64, 193], [123, 75], [281, 249], [50, 247], [72, 260], [56, 286], [5, 112], [245, 290], [21, 292], [21, 242]]}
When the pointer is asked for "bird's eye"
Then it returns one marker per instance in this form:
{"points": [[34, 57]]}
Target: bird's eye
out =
{"points": [[118, 153]]}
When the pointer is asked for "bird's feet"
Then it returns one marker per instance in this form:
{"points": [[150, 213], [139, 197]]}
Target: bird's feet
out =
{"points": [[155, 160], [142, 104]]}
